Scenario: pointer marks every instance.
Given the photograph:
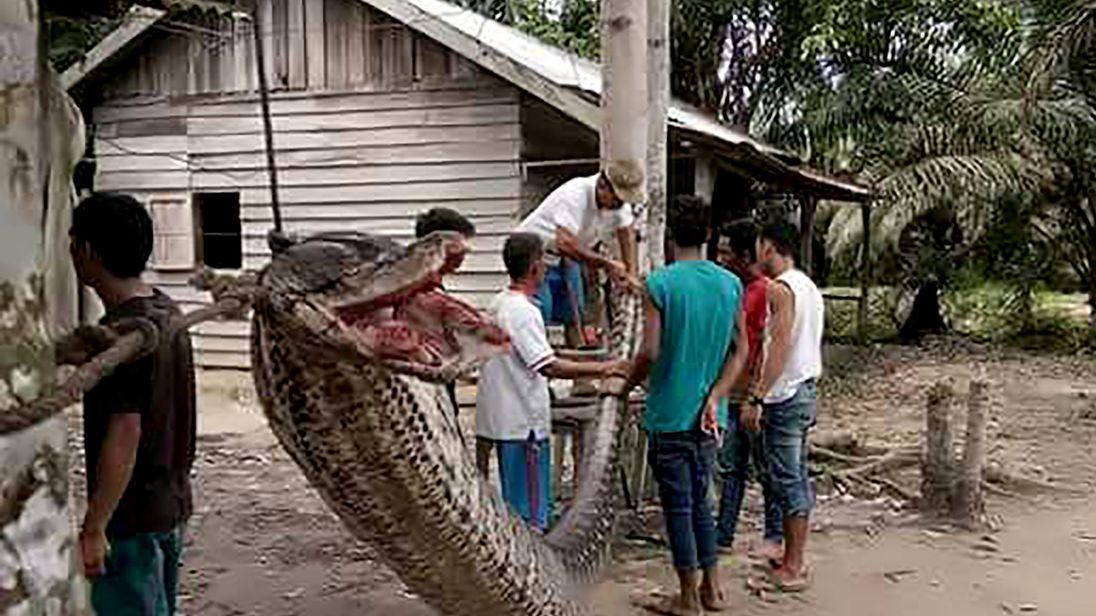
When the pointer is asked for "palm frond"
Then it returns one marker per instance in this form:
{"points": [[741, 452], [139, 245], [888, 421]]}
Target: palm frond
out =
{"points": [[967, 185]]}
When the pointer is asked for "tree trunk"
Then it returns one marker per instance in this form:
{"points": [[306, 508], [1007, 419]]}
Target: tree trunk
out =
{"points": [[937, 466], [624, 83], [37, 556], [624, 117], [968, 505], [925, 316], [658, 91]]}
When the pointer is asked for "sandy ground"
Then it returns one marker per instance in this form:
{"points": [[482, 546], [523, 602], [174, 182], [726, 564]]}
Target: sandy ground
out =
{"points": [[262, 542]]}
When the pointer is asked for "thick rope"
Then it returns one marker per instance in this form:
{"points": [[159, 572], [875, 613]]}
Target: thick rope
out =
{"points": [[131, 340]]}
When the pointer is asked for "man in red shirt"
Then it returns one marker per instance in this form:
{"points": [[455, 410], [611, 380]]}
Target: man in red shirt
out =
{"points": [[737, 252]]}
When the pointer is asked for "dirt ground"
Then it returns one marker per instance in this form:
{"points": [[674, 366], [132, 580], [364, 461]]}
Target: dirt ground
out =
{"points": [[262, 542]]}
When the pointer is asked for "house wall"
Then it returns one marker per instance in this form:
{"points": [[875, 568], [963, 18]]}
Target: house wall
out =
{"points": [[311, 45], [367, 152]]}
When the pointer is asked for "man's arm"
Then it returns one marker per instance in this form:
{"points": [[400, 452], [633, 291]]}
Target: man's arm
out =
{"points": [[626, 237], [649, 349], [735, 361], [782, 304], [114, 468], [560, 368], [568, 245]]}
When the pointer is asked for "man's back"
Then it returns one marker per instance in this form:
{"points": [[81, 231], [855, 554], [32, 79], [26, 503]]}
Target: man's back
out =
{"points": [[160, 388], [698, 302]]}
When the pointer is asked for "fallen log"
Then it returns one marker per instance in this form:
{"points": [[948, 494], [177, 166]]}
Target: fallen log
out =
{"points": [[896, 460]]}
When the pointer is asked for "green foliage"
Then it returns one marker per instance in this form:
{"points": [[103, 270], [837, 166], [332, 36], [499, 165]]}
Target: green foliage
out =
{"points": [[573, 27]]}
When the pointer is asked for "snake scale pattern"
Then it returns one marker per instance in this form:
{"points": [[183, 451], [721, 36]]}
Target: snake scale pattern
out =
{"points": [[379, 441]]}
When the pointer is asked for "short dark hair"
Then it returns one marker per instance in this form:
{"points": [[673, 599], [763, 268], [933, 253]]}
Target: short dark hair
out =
{"points": [[784, 237], [118, 229], [520, 252], [443, 219], [741, 237], [689, 220]]}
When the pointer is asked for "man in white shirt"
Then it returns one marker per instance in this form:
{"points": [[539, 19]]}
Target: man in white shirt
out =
{"points": [[513, 410], [782, 404], [569, 221]]}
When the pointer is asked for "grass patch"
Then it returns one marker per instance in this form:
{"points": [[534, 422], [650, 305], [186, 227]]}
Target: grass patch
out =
{"points": [[1059, 321]]}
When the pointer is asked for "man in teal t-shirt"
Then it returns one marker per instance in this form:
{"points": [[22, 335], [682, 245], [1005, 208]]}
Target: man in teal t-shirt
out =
{"points": [[693, 354]]}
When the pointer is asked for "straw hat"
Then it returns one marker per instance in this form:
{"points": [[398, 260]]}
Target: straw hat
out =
{"points": [[628, 180]]}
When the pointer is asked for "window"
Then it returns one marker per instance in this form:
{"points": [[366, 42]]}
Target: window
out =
{"points": [[172, 232], [221, 244]]}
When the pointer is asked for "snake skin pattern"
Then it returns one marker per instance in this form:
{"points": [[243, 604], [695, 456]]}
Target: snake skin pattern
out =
{"points": [[384, 451]]}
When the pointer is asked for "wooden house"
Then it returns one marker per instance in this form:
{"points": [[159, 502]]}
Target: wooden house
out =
{"points": [[381, 109]]}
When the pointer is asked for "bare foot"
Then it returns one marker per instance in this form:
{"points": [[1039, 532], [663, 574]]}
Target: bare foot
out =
{"points": [[786, 580], [712, 597], [675, 605], [769, 552]]}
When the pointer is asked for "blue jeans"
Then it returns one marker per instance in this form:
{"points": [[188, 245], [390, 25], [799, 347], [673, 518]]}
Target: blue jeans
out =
{"points": [[525, 471], [555, 303], [682, 463], [784, 437], [740, 446], [141, 577]]}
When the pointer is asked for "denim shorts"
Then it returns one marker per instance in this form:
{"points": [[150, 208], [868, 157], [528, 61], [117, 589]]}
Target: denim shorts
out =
{"points": [[784, 439], [555, 302], [142, 576]]}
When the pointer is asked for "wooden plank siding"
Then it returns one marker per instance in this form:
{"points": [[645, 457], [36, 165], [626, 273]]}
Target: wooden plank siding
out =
{"points": [[313, 45], [359, 159]]}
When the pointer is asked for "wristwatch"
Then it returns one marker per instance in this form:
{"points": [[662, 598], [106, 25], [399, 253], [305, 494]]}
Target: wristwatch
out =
{"points": [[756, 400]]}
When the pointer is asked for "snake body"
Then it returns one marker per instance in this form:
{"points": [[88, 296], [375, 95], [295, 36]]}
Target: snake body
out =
{"points": [[384, 451]]}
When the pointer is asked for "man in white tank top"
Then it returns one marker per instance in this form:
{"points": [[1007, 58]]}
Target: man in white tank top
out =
{"points": [[782, 400]]}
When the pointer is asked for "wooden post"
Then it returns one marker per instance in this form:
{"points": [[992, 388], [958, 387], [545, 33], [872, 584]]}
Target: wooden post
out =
{"points": [[264, 107], [968, 505], [808, 207], [937, 466], [624, 83], [37, 559], [658, 92], [865, 276]]}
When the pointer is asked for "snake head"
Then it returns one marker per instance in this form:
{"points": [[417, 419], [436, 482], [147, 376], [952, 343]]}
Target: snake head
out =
{"points": [[383, 301]]}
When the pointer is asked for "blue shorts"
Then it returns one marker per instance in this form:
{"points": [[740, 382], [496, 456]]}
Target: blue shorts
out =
{"points": [[555, 303], [784, 438], [141, 577], [525, 471]]}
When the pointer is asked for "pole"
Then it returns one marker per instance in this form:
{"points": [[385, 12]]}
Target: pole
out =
{"points": [[38, 573], [865, 275], [264, 103], [658, 92]]}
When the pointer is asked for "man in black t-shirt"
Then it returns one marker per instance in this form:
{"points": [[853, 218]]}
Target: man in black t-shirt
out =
{"points": [[445, 219], [139, 422]]}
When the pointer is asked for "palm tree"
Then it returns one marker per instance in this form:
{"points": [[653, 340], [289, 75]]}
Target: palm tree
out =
{"points": [[934, 107], [1064, 60]]}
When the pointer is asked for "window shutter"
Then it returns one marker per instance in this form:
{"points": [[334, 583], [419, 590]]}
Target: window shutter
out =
{"points": [[173, 233]]}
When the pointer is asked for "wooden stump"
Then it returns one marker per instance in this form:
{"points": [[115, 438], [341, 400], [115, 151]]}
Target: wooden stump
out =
{"points": [[968, 505], [937, 466]]}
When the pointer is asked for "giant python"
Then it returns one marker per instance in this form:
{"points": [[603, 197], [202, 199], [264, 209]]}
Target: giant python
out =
{"points": [[350, 338]]}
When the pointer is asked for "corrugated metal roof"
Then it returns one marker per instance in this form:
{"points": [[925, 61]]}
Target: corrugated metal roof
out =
{"points": [[567, 70], [546, 70]]}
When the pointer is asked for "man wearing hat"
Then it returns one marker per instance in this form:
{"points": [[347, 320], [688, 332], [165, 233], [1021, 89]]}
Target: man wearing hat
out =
{"points": [[569, 221]]}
